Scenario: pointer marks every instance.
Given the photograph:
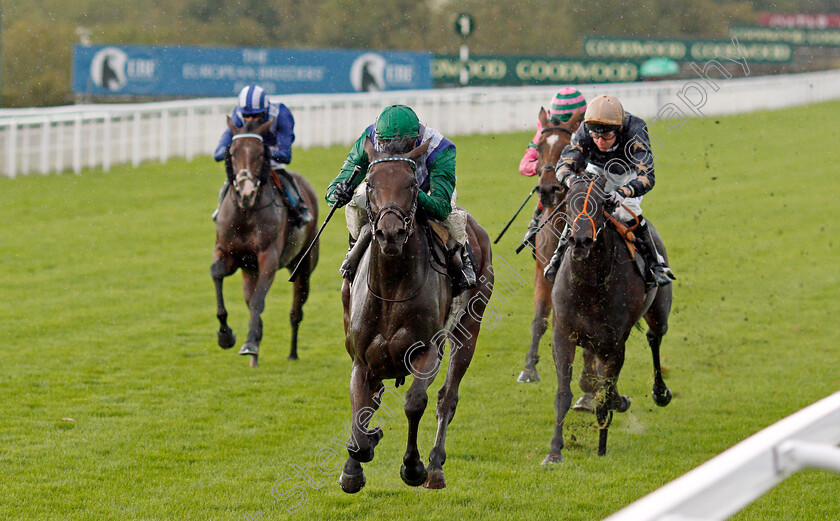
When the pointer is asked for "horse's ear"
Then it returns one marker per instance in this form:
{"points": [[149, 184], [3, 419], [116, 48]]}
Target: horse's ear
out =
{"points": [[370, 150], [574, 121], [418, 152], [543, 117], [231, 126], [263, 129]]}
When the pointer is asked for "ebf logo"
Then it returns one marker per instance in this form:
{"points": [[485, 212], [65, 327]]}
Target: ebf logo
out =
{"points": [[107, 69], [367, 74]]}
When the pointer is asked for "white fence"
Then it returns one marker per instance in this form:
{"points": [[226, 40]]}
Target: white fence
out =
{"points": [[727, 483], [82, 136]]}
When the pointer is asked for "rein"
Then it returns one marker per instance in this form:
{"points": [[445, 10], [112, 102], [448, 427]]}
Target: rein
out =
{"points": [[585, 212]]}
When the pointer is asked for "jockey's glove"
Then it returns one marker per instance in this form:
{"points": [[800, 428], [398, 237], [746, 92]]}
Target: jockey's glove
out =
{"points": [[614, 199], [343, 193]]}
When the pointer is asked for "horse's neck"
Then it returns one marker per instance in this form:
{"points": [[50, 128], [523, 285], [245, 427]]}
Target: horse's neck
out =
{"points": [[408, 269]]}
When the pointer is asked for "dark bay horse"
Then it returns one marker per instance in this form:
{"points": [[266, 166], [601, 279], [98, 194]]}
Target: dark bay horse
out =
{"points": [[398, 313], [553, 139], [253, 233], [598, 297]]}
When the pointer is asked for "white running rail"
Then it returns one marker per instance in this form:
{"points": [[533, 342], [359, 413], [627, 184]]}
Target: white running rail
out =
{"points": [[724, 485], [59, 139]]}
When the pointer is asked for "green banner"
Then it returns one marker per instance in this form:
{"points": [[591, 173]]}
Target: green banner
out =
{"points": [[531, 70], [795, 36], [774, 51]]}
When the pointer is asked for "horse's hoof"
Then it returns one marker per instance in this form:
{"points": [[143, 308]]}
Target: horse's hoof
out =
{"points": [[352, 483], [226, 338], [623, 404], [528, 376], [662, 399], [585, 403], [414, 477], [435, 480], [249, 349], [551, 459], [293, 356]]}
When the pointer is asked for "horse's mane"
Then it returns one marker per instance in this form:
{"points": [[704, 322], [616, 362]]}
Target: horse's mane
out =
{"points": [[399, 146]]}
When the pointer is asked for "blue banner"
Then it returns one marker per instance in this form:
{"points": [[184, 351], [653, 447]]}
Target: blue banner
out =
{"points": [[202, 71]]}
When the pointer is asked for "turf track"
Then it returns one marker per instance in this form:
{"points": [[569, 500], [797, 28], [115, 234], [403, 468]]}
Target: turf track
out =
{"points": [[107, 317]]}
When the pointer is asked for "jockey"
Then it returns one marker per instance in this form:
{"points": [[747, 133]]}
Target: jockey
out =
{"points": [[566, 103], [435, 174], [253, 104], [616, 144]]}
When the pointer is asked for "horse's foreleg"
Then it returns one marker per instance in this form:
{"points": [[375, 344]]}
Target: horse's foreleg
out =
{"points": [[424, 366], [299, 296], [564, 356], [542, 308], [360, 446], [221, 268], [255, 293]]}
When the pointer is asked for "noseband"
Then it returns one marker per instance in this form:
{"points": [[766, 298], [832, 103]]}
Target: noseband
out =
{"points": [[407, 217]]}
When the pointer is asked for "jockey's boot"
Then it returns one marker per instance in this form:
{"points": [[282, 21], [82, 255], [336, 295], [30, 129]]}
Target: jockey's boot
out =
{"points": [[299, 214], [222, 193], [659, 271], [354, 254], [461, 267], [553, 265], [531, 235]]}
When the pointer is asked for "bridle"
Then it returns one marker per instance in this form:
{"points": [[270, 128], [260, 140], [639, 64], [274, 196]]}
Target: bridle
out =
{"points": [[243, 174], [406, 216], [553, 130]]}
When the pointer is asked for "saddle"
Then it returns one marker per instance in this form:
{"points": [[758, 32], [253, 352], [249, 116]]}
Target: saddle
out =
{"points": [[438, 239], [626, 233]]}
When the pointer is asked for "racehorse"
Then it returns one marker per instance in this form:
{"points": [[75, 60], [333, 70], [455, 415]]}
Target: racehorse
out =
{"points": [[395, 319], [253, 233], [598, 297], [553, 139]]}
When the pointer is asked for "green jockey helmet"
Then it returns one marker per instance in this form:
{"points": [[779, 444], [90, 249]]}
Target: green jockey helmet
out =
{"points": [[395, 122]]}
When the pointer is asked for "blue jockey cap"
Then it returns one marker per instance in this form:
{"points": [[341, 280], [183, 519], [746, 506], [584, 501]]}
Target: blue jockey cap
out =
{"points": [[253, 100]]}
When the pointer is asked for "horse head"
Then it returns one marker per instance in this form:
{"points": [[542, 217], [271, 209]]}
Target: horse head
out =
{"points": [[249, 161], [392, 190], [553, 139], [585, 212]]}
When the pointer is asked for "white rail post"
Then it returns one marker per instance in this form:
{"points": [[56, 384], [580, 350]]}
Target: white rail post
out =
{"points": [[11, 149], [106, 146], [135, 140], [45, 145], [77, 144]]}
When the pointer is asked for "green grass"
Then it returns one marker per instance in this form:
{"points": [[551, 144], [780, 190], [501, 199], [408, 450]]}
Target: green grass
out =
{"points": [[107, 314]]}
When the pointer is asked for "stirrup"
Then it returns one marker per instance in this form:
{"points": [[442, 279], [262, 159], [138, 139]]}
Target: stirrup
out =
{"points": [[660, 275]]}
